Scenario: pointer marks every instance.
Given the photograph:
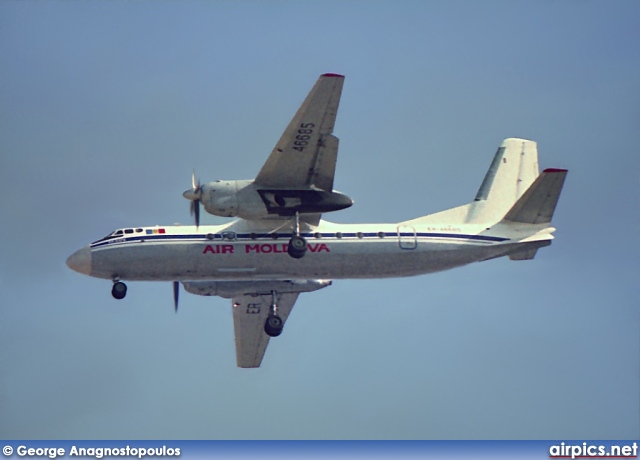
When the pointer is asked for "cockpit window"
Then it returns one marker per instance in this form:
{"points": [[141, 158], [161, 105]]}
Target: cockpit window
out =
{"points": [[128, 230], [110, 236]]}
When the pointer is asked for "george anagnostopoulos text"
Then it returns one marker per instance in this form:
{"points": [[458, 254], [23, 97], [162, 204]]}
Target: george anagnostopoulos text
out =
{"points": [[99, 452]]}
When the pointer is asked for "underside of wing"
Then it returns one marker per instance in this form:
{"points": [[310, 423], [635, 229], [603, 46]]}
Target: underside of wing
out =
{"points": [[305, 156], [250, 311]]}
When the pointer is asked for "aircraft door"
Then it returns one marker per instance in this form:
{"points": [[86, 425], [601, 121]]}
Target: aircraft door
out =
{"points": [[407, 237]]}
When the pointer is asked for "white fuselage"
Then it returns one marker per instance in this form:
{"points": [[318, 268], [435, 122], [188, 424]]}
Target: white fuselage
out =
{"points": [[242, 250]]}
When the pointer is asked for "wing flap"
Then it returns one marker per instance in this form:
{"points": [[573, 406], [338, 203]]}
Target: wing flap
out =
{"points": [[325, 169], [305, 154], [250, 311]]}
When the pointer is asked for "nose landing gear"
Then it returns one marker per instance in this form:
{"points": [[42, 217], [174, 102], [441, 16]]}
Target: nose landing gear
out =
{"points": [[297, 246], [274, 324], [119, 290]]}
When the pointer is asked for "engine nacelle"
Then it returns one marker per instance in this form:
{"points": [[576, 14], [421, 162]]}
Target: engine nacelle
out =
{"points": [[220, 198], [247, 200]]}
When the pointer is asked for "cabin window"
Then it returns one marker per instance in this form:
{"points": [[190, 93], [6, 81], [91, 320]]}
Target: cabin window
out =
{"points": [[317, 235], [381, 234], [210, 236], [274, 236], [138, 230], [360, 235], [339, 235], [253, 236], [229, 235]]}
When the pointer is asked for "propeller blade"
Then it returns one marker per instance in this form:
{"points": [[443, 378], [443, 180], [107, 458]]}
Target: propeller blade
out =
{"points": [[195, 195], [176, 294], [194, 184], [196, 204]]}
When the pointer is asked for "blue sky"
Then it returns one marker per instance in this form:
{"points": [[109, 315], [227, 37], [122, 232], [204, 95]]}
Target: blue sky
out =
{"points": [[105, 108]]}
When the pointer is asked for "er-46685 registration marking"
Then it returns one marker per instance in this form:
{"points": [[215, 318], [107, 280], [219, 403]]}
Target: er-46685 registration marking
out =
{"points": [[303, 136]]}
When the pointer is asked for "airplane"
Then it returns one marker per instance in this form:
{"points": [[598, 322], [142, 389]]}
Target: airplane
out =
{"points": [[279, 246]]}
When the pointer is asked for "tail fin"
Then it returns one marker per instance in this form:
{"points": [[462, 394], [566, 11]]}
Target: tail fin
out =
{"points": [[512, 171], [537, 204], [512, 191]]}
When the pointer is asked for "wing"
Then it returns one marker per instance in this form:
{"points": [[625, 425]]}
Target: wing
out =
{"points": [[250, 311], [306, 153]]}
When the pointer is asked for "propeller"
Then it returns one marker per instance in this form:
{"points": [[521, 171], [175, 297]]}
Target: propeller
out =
{"points": [[195, 196], [176, 294]]}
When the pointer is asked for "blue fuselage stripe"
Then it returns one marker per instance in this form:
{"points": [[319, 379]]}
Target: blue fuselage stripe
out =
{"points": [[274, 236]]}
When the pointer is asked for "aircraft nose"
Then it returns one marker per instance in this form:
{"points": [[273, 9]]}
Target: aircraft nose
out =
{"points": [[80, 261]]}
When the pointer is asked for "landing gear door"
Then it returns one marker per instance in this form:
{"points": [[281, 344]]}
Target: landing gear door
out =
{"points": [[407, 237]]}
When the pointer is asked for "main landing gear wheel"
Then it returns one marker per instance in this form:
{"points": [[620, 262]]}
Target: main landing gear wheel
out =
{"points": [[297, 247], [119, 290], [273, 326]]}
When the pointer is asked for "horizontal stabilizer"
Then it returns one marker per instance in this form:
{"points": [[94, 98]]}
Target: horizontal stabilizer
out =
{"points": [[537, 204], [524, 255], [528, 250]]}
